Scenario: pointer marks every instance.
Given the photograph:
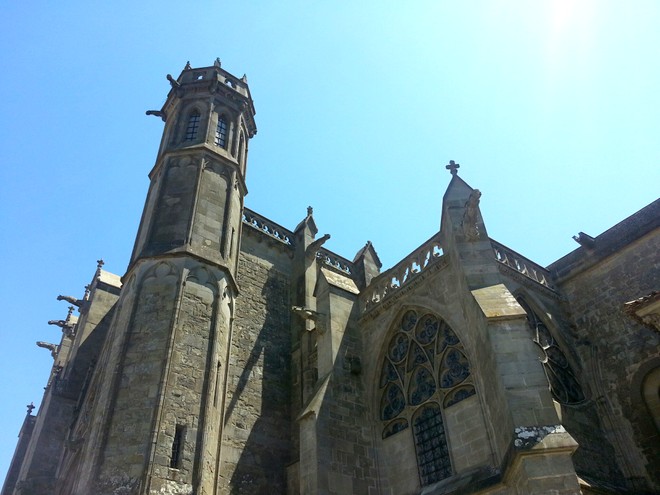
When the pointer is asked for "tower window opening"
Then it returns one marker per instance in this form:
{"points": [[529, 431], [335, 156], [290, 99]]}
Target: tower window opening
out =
{"points": [[193, 127], [221, 132], [177, 447], [241, 145]]}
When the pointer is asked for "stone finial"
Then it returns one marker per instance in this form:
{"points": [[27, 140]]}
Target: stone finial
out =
{"points": [[244, 78], [310, 211], [88, 290], [453, 167], [30, 408], [188, 66], [217, 62], [100, 263]]}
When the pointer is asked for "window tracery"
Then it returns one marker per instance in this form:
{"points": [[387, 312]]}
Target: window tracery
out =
{"points": [[424, 371], [564, 385]]}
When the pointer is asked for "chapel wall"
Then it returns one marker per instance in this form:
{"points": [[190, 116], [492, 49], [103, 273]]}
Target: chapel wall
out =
{"points": [[621, 350], [469, 425]]}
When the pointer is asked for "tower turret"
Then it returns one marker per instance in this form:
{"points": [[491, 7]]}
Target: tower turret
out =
{"points": [[195, 198], [159, 396]]}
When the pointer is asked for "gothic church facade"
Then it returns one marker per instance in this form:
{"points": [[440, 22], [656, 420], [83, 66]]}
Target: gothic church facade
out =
{"points": [[236, 356]]}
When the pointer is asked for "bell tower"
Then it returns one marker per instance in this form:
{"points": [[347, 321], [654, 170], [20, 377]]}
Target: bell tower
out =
{"points": [[158, 400], [195, 199]]}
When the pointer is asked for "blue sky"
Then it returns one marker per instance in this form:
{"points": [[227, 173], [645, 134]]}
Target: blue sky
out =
{"points": [[552, 108]]}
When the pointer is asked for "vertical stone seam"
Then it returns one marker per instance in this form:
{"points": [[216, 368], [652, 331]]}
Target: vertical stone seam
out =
{"points": [[193, 213], [164, 377], [223, 404], [207, 397]]}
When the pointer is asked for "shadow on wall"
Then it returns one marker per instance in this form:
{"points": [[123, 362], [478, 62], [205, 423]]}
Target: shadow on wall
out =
{"points": [[257, 418]]}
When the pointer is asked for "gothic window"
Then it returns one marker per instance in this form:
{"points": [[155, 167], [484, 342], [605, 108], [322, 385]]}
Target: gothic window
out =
{"points": [[425, 370], [563, 383], [431, 444], [221, 132], [193, 126]]}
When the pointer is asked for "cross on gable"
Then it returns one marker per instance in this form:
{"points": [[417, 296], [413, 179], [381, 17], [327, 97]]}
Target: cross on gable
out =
{"points": [[453, 167]]}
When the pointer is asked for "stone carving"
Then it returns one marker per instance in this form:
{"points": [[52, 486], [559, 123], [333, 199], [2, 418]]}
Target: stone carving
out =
{"points": [[471, 216], [268, 227], [311, 315], [453, 167], [72, 300], [333, 260], [173, 82], [393, 280], [315, 245], [521, 264], [158, 113], [51, 347]]}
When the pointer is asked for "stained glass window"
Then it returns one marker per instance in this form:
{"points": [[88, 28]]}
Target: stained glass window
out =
{"points": [[431, 445], [425, 366], [563, 383]]}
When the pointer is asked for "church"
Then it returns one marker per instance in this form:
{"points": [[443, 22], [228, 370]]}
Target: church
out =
{"points": [[239, 356]]}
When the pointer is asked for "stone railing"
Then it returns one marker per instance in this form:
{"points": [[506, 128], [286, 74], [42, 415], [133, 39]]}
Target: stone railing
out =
{"points": [[521, 264], [268, 227], [393, 280], [335, 261]]}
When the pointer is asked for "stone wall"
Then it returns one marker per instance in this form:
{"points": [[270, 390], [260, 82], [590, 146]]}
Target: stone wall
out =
{"points": [[617, 349], [256, 445]]}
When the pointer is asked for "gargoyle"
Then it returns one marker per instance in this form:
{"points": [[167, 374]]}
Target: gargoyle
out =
{"points": [[310, 315], [51, 347], [76, 302], [158, 113], [173, 82], [314, 246]]}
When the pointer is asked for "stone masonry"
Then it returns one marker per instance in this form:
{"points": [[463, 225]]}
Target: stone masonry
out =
{"points": [[236, 356]]}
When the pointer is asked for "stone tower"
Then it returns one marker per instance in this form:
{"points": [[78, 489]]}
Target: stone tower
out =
{"points": [[157, 419]]}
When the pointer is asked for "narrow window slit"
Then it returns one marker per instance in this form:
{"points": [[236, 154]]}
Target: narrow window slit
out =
{"points": [[177, 447]]}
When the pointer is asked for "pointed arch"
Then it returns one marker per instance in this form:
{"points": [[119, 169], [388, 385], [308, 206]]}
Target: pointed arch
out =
{"points": [[563, 382], [424, 371]]}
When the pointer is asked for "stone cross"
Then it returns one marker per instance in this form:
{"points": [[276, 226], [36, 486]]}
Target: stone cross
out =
{"points": [[453, 167], [30, 407]]}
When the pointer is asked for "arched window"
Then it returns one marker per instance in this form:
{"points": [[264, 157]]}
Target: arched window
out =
{"points": [[193, 126], [221, 132], [425, 370], [563, 384]]}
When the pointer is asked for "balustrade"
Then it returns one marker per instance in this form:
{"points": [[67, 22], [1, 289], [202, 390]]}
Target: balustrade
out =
{"points": [[268, 227], [521, 264], [335, 261], [394, 279]]}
